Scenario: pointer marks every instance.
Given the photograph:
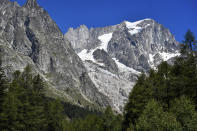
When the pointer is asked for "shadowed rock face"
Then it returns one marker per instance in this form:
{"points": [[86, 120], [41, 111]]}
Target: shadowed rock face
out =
{"points": [[103, 57], [29, 36], [115, 55]]}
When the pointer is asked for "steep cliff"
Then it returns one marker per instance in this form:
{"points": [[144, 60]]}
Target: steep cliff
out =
{"points": [[29, 36]]}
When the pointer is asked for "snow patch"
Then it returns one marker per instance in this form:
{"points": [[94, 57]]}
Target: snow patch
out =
{"points": [[151, 61], [105, 40], [4, 12], [133, 28], [88, 54], [166, 56], [151, 58]]}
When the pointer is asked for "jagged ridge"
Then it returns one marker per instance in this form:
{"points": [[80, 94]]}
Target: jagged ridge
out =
{"points": [[133, 47], [29, 36]]}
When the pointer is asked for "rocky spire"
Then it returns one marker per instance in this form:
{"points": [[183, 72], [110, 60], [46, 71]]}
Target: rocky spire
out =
{"points": [[31, 3]]}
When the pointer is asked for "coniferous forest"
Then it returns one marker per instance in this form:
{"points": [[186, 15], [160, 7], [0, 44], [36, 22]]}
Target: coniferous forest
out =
{"points": [[162, 100]]}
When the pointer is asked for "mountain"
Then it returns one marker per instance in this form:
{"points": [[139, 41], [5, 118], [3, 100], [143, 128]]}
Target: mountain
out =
{"points": [[93, 67], [115, 56], [29, 36]]}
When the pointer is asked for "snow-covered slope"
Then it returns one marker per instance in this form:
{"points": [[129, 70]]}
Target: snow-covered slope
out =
{"points": [[133, 26], [88, 54], [131, 47], [116, 87]]}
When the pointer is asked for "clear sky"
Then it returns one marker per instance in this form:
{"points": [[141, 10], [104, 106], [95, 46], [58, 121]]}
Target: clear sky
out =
{"points": [[176, 15]]}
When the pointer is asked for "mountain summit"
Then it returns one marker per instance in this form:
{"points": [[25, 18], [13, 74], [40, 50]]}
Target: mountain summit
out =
{"points": [[115, 55]]}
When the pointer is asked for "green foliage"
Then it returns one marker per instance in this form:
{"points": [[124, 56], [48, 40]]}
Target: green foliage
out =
{"points": [[163, 85], [54, 114], [169, 83], [185, 113], [154, 118], [105, 122], [74, 111], [189, 44], [137, 99], [9, 114], [24, 106]]}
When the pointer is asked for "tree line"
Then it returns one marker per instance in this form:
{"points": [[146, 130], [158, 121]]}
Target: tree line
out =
{"points": [[163, 100]]}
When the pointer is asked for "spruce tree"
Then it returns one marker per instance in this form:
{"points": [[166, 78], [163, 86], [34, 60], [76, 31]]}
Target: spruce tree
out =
{"points": [[189, 44], [154, 118], [185, 112], [138, 98], [54, 115]]}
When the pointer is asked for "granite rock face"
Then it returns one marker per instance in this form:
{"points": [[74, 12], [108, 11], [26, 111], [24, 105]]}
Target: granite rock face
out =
{"points": [[84, 38], [103, 57], [116, 55], [29, 36], [134, 42]]}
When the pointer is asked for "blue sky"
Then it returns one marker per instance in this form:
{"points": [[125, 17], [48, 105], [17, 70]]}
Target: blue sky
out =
{"points": [[176, 15]]}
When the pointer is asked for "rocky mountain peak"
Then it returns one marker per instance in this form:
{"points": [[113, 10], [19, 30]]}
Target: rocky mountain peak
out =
{"points": [[31, 4], [115, 55], [138, 23]]}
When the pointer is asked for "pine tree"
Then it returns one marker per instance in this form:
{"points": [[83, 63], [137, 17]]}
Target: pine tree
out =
{"points": [[189, 44], [9, 114], [185, 112], [138, 98], [29, 91], [54, 113], [154, 118], [4, 85]]}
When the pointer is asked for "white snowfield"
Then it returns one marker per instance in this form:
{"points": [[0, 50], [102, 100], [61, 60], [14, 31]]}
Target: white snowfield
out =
{"points": [[88, 55], [166, 56], [105, 40], [133, 28]]}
